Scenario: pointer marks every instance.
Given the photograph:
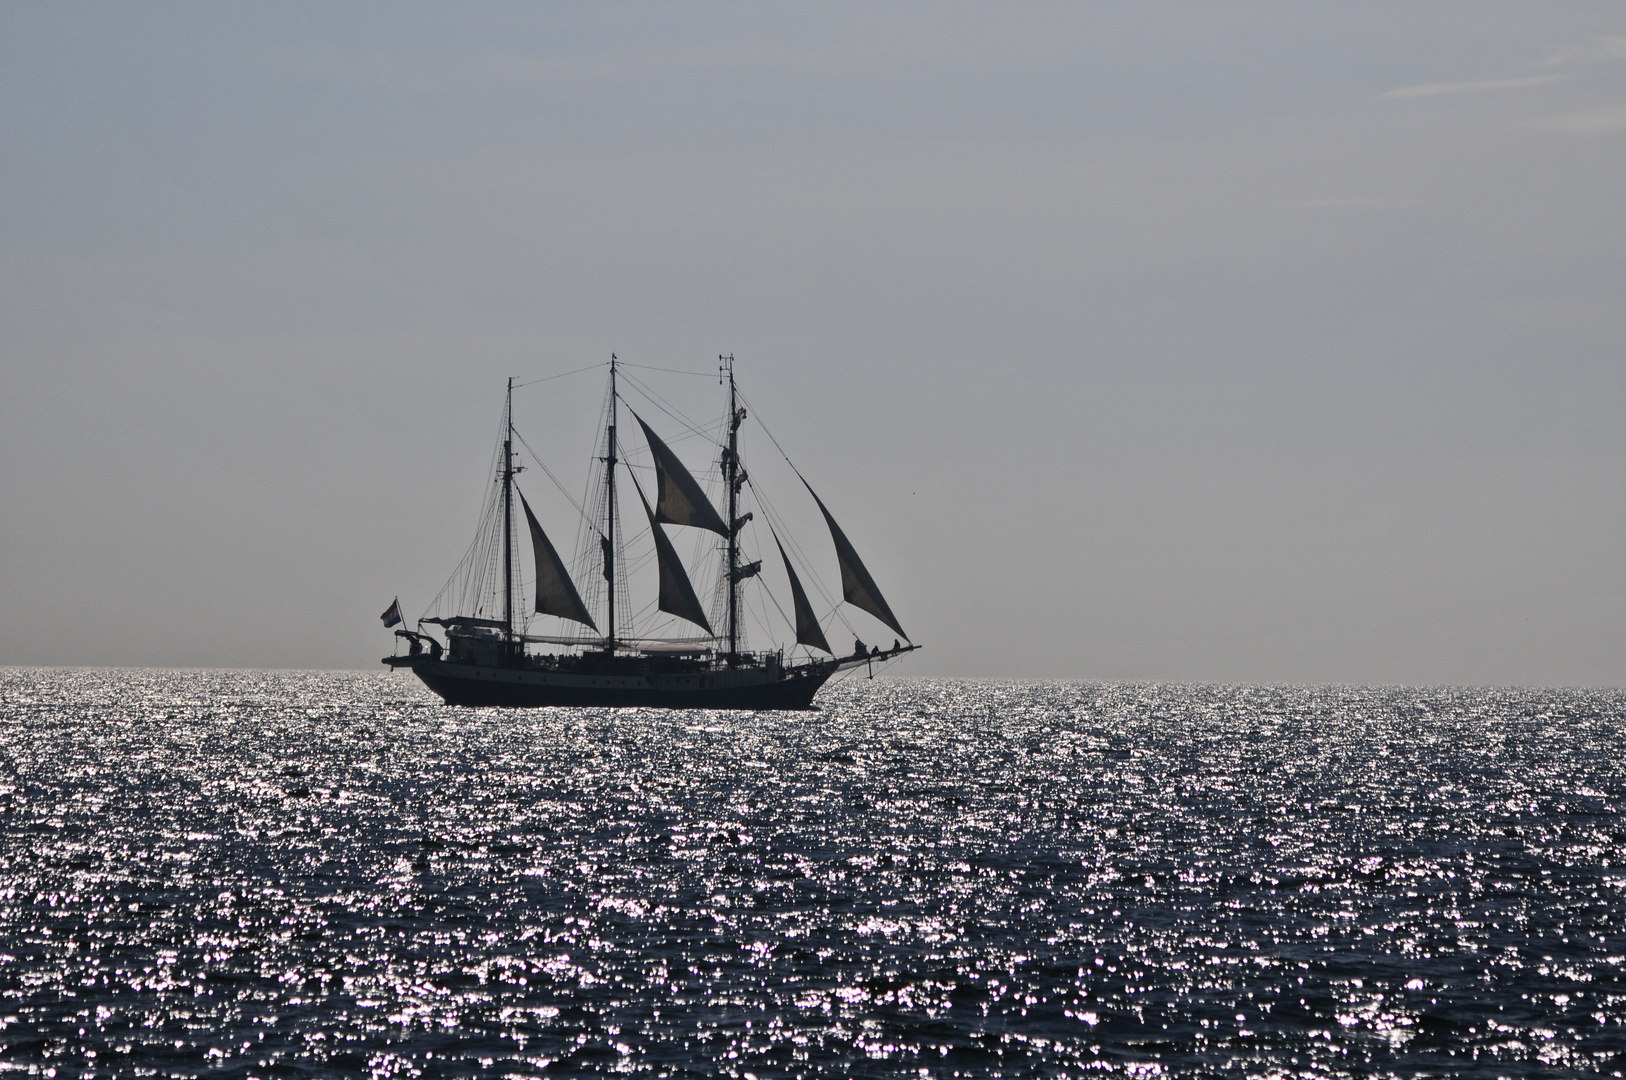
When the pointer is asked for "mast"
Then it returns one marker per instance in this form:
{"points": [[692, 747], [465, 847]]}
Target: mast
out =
{"points": [[609, 511], [731, 476], [508, 513]]}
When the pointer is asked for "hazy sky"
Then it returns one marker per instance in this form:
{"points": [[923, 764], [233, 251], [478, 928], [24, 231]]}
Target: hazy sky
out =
{"points": [[1264, 342]]}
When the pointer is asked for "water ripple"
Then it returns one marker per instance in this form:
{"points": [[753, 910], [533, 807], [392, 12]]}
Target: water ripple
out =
{"points": [[282, 874]]}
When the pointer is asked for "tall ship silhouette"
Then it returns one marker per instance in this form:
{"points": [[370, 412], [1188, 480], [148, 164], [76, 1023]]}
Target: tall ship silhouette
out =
{"points": [[493, 655]]}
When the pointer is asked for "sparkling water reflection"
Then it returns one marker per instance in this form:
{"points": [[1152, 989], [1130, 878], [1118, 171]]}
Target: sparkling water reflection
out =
{"points": [[281, 874]]}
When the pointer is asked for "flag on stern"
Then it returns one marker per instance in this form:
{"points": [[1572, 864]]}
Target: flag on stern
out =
{"points": [[392, 614]]}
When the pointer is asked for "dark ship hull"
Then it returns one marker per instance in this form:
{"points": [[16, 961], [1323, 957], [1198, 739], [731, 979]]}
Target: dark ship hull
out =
{"points": [[522, 688], [527, 688]]}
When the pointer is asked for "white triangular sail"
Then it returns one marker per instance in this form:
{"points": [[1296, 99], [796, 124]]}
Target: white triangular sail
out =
{"points": [[808, 630], [677, 595], [678, 498], [857, 587], [555, 593]]}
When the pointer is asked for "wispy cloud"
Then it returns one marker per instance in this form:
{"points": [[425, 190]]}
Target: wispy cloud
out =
{"points": [[1602, 120], [1595, 51], [1476, 87], [1355, 203]]}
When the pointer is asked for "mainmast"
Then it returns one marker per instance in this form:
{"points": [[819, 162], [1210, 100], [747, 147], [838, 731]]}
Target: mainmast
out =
{"points": [[609, 511], [731, 476], [508, 512]]}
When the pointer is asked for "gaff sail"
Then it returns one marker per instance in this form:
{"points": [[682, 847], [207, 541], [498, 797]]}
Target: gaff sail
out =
{"points": [[808, 631], [857, 587], [677, 595], [678, 498], [555, 593]]}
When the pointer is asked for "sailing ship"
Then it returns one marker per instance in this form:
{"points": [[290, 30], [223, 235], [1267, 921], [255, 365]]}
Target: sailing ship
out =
{"points": [[487, 657]]}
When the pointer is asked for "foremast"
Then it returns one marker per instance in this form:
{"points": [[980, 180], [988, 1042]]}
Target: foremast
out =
{"points": [[609, 514]]}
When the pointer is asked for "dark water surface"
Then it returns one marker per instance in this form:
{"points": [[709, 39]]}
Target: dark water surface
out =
{"points": [[320, 874]]}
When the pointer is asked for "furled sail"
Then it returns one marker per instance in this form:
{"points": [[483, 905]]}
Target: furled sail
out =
{"points": [[808, 631], [678, 498], [677, 595], [856, 585], [555, 593]]}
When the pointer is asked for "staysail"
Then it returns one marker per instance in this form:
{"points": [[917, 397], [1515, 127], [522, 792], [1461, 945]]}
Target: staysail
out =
{"points": [[677, 595], [857, 587], [678, 498], [555, 593], [808, 631]]}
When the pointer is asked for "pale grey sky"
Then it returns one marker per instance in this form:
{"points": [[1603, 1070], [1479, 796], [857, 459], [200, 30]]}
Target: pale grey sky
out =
{"points": [[1266, 342]]}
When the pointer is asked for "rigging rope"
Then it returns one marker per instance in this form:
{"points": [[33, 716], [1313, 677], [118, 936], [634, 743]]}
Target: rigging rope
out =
{"points": [[674, 371], [470, 578], [757, 416], [550, 378], [789, 538], [543, 466], [669, 409]]}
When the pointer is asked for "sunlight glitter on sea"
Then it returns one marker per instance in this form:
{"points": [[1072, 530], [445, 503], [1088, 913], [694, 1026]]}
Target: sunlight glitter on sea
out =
{"points": [[277, 873]]}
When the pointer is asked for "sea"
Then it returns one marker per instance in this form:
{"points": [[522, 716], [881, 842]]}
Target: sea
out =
{"points": [[330, 874]]}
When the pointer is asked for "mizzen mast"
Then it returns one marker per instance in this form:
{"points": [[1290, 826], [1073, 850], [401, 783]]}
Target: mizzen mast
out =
{"points": [[609, 513], [734, 477], [731, 472], [508, 514]]}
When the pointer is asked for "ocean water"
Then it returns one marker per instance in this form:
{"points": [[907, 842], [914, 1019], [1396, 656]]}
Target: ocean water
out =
{"points": [[258, 874]]}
